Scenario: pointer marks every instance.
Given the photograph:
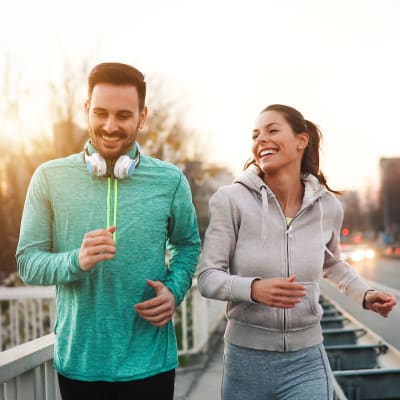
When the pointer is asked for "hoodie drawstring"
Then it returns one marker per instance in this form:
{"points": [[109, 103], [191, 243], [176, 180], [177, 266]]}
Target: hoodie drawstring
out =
{"points": [[115, 205], [321, 225], [264, 218]]}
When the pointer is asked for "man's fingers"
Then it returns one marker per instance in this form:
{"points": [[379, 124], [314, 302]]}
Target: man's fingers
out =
{"points": [[160, 322], [160, 309], [101, 232], [152, 303], [158, 319], [101, 248], [156, 285], [154, 311], [97, 245], [96, 240], [112, 229], [157, 316]]}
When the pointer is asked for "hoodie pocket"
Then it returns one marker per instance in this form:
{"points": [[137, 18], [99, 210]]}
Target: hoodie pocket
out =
{"points": [[258, 315], [306, 313]]}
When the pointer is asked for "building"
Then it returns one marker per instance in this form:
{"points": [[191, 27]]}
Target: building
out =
{"points": [[390, 198]]}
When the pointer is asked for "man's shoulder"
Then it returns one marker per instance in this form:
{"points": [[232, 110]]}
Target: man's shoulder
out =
{"points": [[162, 167], [62, 163], [72, 159]]}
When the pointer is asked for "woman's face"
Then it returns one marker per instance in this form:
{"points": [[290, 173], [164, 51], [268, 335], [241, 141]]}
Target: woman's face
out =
{"points": [[275, 145]]}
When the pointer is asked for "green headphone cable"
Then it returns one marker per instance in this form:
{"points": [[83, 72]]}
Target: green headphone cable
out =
{"points": [[115, 207], [115, 204]]}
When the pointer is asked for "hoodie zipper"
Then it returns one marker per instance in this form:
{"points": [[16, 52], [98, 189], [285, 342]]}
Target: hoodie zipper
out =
{"points": [[287, 233], [286, 245]]}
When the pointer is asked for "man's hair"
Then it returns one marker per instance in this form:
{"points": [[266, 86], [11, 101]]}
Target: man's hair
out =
{"points": [[118, 74]]}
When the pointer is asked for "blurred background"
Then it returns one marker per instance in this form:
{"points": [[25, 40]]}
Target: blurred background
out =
{"points": [[211, 66]]}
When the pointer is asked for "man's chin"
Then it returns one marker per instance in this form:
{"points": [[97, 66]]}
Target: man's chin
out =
{"points": [[109, 155]]}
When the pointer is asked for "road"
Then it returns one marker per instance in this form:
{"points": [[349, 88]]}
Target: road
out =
{"points": [[382, 274]]}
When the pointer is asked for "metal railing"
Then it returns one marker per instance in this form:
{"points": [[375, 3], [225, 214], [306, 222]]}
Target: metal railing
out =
{"points": [[26, 371], [27, 312]]}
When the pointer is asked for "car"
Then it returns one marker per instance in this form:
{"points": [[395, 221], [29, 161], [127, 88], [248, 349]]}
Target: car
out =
{"points": [[355, 253]]}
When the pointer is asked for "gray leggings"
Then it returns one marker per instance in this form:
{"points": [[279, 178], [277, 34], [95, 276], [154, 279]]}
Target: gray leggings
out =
{"points": [[268, 375]]}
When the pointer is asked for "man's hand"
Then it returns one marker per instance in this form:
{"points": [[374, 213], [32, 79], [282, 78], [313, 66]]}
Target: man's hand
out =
{"points": [[160, 309], [380, 302], [278, 292], [96, 246]]}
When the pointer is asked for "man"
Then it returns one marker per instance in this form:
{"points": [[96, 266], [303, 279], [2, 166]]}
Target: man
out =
{"points": [[97, 224]]}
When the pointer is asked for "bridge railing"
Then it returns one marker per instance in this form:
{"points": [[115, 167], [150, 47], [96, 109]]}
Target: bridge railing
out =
{"points": [[26, 371], [27, 313]]}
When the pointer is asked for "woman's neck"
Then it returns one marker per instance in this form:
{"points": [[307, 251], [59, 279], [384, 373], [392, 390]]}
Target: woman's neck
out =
{"points": [[289, 191]]}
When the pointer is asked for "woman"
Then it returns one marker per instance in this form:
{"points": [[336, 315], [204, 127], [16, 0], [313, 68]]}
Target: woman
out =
{"points": [[271, 235]]}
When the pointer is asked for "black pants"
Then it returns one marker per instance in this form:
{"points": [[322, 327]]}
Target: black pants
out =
{"points": [[157, 387]]}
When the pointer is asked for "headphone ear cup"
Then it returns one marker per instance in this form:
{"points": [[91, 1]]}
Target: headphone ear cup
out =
{"points": [[96, 165], [124, 167]]}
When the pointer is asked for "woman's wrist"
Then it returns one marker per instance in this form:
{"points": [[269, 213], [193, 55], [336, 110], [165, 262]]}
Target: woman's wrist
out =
{"points": [[252, 290], [364, 303]]}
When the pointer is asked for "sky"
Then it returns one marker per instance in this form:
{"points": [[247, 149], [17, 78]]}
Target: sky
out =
{"points": [[336, 61]]}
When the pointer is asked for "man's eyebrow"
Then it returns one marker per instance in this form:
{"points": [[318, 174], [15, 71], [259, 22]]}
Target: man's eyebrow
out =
{"points": [[118, 112]]}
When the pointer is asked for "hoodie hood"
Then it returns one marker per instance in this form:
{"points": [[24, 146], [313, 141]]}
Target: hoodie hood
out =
{"points": [[313, 191], [250, 178]]}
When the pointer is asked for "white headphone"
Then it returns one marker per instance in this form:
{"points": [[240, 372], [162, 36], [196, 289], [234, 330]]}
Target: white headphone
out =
{"points": [[124, 166]]}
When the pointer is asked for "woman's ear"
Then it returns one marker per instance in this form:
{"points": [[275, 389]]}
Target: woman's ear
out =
{"points": [[302, 139]]}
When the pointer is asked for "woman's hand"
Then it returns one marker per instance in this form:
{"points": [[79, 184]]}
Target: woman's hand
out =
{"points": [[380, 302], [278, 292]]}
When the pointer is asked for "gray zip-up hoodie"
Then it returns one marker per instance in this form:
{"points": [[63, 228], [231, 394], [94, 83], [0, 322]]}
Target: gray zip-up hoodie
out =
{"points": [[248, 238]]}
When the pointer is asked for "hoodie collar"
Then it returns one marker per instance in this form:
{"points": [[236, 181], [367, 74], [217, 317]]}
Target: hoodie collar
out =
{"points": [[313, 191]]}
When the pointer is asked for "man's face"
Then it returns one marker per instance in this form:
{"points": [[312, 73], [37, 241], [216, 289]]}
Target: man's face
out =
{"points": [[114, 118]]}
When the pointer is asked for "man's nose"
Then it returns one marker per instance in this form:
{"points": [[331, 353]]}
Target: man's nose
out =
{"points": [[110, 125]]}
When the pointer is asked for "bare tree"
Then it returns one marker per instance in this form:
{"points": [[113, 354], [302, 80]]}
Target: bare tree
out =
{"points": [[165, 136], [66, 105], [13, 91]]}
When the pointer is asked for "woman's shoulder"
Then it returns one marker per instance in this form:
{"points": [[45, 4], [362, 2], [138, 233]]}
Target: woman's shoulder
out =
{"points": [[231, 190]]}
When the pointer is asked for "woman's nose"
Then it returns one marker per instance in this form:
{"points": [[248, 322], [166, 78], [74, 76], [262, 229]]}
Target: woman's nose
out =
{"points": [[262, 137]]}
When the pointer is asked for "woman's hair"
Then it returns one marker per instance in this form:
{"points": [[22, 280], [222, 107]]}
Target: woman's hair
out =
{"points": [[310, 160], [118, 74]]}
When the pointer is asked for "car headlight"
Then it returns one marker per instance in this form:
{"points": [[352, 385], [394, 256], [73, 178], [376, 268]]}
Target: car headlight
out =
{"points": [[358, 255], [370, 254]]}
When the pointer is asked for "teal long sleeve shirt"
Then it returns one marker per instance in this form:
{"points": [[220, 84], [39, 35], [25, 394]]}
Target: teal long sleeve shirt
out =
{"points": [[98, 334]]}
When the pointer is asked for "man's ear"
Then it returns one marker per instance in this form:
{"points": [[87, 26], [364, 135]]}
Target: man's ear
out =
{"points": [[87, 105], [142, 117]]}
